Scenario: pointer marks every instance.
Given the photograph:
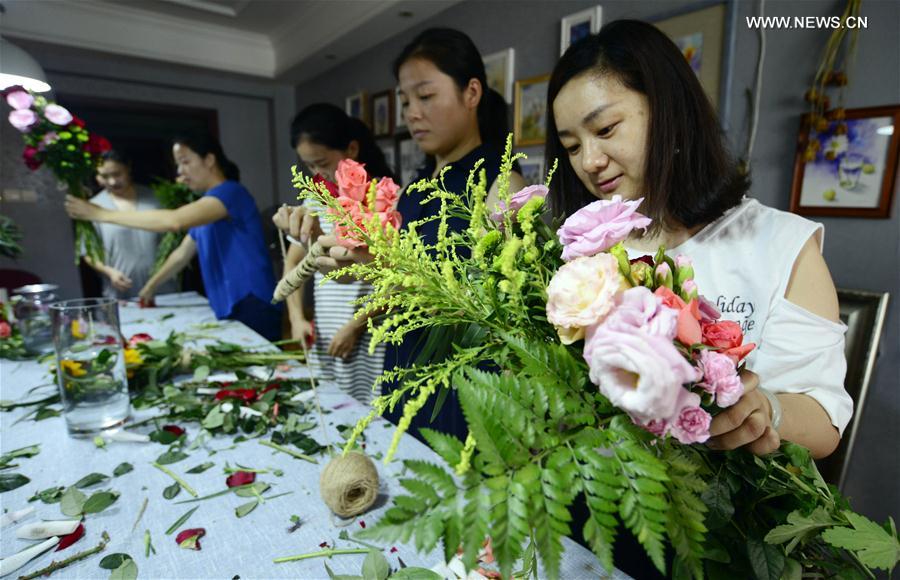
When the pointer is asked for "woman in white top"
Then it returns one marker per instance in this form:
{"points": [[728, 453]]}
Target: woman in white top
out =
{"points": [[630, 118]]}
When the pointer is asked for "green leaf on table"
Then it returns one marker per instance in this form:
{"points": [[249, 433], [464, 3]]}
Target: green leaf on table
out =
{"points": [[214, 419], [171, 457], [874, 547], [167, 316], [246, 508], [47, 413], [201, 373], [49, 495], [251, 490], [411, 573], [29, 451], [11, 481], [128, 570], [201, 468], [113, 561], [180, 521], [91, 479], [164, 437], [375, 566], [72, 502], [172, 490], [122, 469], [100, 501]]}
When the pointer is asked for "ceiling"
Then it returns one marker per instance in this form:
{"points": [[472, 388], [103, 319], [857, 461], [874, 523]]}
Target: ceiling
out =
{"points": [[288, 40]]}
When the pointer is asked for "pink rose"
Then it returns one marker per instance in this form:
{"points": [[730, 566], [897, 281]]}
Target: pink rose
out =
{"points": [[691, 424], [638, 309], [57, 115], [5, 329], [19, 100], [723, 335], [352, 179], [688, 328], [720, 377], [23, 119], [386, 197], [639, 373], [581, 293], [30, 156], [599, 226], [708, 310], [518, 200]]}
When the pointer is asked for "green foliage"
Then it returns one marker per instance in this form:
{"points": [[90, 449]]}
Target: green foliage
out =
{"points": [[10, 236]]}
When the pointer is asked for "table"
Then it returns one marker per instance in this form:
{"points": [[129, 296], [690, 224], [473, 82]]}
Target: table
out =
{"points": [[232, 547]]}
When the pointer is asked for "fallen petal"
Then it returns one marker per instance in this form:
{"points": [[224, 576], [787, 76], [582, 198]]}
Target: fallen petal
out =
{"points": [[41, 530], [174, 429], [190, 539], [16, 561], [66, 541], [13, 517], [240, 478], [128, 437]]}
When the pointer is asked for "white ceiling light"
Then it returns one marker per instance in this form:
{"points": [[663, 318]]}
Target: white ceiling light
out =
{"points": [[17, 67]]}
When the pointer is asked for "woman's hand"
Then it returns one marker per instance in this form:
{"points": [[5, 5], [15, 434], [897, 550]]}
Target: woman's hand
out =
{"points": [[343, 342], [119, 280], [748, 422], [147, 293], [299, 221], [80, 209], [337, 257], [303, 332]]}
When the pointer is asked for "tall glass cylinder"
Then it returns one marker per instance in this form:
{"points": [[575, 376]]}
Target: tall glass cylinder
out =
{"points": [[32, 311], [90, 364]]}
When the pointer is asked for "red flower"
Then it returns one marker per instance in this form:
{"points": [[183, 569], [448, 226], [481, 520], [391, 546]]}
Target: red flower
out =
{"points": [[393, 549], [190, 539], [330, 186], [174, 430], [727, 337], [151, 303], [5, 330], [323, 545], [645, 259], [139, 338], [68, 540], [30, 155], [77, 122], [97, 145], [362, 524], [246, 395], [239, 478]]}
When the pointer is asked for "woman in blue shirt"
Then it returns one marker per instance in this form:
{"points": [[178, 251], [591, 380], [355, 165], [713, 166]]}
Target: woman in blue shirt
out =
{"points": [[224, 230]]}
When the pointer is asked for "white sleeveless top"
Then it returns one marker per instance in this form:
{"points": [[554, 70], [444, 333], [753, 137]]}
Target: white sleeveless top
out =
{"points": [[743, 263]]}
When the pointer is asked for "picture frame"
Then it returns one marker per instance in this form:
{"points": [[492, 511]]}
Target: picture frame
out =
{"points": [[355, 106], [383, 114], [411, 159], [532, 169], [530, 111], [864, 312], [499, 68], [853, 174], [704, 36], [576, 26]]}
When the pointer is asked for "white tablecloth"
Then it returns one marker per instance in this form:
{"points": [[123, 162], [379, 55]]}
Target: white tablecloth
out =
{"points": [[232, 547]]}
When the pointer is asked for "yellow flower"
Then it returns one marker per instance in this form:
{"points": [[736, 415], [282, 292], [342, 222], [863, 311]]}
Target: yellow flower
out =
{"points": [[133, 357], [76, 329], [72, 368]]}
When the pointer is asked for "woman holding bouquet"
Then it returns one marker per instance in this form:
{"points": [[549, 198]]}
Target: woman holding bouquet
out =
{"points": [[224, 230], [630, 119], [323, 135]]}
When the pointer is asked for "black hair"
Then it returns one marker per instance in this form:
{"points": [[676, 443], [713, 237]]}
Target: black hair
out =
{"points": [[455, 55], [203, 145], [690, 178], [330, 126], [117, 156]]}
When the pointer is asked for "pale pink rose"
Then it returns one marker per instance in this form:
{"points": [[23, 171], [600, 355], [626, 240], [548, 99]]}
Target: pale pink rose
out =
{"points": [[688, 329], [518, 200], [639, 373], [386, 197], [23, 119], [57, 115], [720, 377], [19, 100], [581, 293], [352, 179], [638, 309], [599, 226], [691, 424], [5, 329]]}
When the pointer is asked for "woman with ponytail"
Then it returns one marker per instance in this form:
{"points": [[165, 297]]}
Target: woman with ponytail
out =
{"points": [[323, 135], [224, 230]]}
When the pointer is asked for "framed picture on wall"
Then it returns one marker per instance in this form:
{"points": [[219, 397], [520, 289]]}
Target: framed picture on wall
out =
{"points": [[701, 36], [500, 70], [355, 106], [411, 159], [533, 169], [530, 119], [576, 26], [399, 119], [854, 170], [383, 114]]}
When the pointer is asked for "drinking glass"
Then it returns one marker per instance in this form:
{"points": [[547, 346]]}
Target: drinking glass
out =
{"points": [[32, 312]]}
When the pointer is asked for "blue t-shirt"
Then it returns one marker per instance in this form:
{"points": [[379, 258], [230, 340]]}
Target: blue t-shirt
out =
{"points": [[234, 261]]}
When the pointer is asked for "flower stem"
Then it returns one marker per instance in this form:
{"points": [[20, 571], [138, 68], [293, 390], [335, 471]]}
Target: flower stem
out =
{"points": [[54, 566], [180, 481], [140, 514], [322, 554], [290, 452]]}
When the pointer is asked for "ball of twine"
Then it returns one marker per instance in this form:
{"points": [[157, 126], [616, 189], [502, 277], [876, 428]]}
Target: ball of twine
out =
{"points": [[349, 484]]}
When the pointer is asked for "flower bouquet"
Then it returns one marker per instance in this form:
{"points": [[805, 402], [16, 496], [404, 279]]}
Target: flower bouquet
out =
{"points": [[11, 344], [359, 207], [609, 371], [59, 140]]}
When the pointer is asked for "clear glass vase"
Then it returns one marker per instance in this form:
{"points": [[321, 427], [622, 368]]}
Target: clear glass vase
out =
{"points": [[32, 310], [90, 364]]}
